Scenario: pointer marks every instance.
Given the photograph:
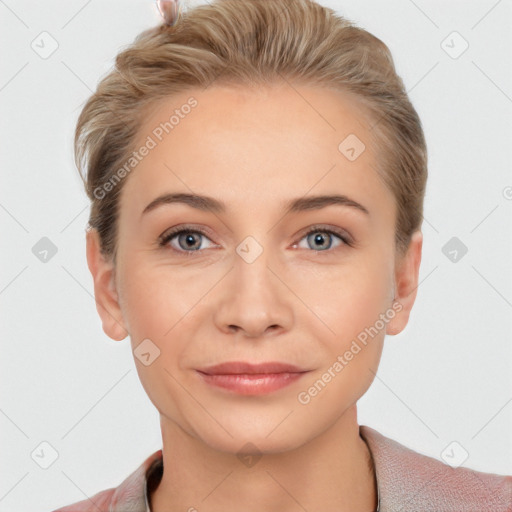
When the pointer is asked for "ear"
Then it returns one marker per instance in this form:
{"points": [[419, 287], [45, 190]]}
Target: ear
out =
{"points": [[406, 284], [105, 293]]}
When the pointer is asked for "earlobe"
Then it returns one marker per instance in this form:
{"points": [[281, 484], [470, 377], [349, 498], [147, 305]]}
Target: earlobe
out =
{"points": [[406, 284], [105, 292]]}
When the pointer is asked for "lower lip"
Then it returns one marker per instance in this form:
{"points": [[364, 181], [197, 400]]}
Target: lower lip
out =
{"points": [[252, 384]]}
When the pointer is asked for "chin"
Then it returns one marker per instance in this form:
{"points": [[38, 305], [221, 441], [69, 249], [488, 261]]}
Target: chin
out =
{"points": [[276, 433]]}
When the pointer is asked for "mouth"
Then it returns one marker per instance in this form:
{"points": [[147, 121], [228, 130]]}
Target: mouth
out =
{"points": [[251, 379]]}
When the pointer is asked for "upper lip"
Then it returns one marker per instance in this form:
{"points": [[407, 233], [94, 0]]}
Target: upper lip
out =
{"points": [[243, 368]]}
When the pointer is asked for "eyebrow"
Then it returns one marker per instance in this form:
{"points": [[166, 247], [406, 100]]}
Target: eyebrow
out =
{"points": [[209, 204]]}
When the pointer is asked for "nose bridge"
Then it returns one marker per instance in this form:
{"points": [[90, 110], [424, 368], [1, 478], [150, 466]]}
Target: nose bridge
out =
{"points": [[251, 266], [255, 298]]}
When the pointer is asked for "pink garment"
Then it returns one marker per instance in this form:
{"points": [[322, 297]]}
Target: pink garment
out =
{"points": [[406, 481]]}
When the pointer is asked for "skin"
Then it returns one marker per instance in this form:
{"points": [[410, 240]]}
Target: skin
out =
{"points": [[300, 301]]}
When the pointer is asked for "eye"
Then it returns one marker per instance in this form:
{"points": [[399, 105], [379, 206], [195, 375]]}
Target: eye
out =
{"points": [[187, 239], [322, 238]]}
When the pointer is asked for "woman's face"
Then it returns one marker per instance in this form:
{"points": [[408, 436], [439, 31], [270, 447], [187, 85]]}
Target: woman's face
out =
{"points": [[255, 287]]}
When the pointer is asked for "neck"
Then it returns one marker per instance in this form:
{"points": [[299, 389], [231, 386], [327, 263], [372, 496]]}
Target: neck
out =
{"points": [[331, 472]]}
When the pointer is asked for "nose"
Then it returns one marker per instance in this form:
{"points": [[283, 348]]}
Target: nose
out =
{"points": [[255, 300]]}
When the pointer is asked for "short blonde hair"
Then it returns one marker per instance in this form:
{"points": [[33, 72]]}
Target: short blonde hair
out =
{"points": [[251, 43]]}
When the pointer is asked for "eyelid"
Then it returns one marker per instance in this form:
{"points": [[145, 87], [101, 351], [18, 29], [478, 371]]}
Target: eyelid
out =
{"points": [[168, 235], [325, 228]]}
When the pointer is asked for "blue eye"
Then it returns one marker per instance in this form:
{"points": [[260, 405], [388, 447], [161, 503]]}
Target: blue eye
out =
{"points": [[321, 238], [189, 240]]}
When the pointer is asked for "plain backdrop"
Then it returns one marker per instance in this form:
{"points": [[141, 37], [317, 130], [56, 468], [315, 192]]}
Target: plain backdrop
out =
{"points": [[447, 377]]}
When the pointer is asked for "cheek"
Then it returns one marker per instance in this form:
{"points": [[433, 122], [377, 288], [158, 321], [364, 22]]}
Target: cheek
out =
{"points": [[164, 304], [352, 307], [156, 298], [158, 306], [347, 298]]}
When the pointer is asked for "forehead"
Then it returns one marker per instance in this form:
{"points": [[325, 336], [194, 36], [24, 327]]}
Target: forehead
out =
{"points": [[248, 145]]}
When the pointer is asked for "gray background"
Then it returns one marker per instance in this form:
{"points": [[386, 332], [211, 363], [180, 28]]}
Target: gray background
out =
{"points": [[446, 378]]}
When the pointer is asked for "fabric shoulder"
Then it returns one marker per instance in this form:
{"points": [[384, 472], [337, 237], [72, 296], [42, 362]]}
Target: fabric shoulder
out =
{"points": [[128, 496], [414, 481]]}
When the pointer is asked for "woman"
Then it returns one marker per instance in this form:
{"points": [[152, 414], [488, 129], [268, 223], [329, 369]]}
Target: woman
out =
{"points": [[257, 175]]}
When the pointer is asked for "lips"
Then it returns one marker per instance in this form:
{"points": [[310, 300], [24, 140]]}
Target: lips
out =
{"points": [[251, 379], [243, 368]]}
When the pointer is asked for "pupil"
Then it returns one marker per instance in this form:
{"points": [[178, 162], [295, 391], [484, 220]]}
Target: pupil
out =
{"points": [[319, 239], [189, 240]]}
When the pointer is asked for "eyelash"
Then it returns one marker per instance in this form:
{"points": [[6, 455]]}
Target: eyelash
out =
{"points": [[167, 237]]}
